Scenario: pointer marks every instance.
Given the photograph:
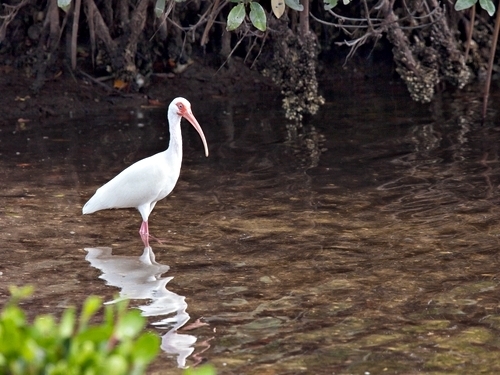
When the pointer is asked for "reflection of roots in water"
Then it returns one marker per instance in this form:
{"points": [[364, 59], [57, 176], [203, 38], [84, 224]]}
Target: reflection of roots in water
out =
{"points": [[428, 206], [307, 144], [428, 199], [434, 192], [425, 138], [442, 175]]}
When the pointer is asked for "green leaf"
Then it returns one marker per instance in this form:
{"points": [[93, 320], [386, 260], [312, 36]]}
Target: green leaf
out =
{"points": [[13, 316], [96, 334], [67, 324], [464, 4], [44, 325], [159, 8], [235, 17], [202, 370], [129, 325], [146, 348], [330, 4], [121, 306], [64, 4], [109, 316], [90, 307], [258, 16], [115, 365], [295, 5], [488, 6], [19, 293]]}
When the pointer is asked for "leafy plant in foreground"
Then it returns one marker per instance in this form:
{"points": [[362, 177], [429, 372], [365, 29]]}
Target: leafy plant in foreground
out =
{"points": [[73, 346], [202, 370]]}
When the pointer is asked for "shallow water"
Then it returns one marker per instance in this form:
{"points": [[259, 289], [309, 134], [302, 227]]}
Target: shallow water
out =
{"points": [[366, 242]]}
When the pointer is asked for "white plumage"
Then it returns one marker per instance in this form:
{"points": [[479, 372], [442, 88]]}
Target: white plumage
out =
{"points": [[151, 179]]}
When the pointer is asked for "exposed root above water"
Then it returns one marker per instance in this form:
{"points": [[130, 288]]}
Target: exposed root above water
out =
{"points": [[293, 69]]}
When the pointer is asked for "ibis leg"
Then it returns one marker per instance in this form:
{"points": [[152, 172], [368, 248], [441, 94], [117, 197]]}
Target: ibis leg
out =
{"points": [[144, 229]]}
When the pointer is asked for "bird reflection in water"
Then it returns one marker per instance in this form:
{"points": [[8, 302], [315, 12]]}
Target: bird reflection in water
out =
{"points": [[141, 278]]}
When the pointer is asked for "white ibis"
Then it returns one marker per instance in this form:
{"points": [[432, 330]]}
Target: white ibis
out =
{"points": [[151, 179]]}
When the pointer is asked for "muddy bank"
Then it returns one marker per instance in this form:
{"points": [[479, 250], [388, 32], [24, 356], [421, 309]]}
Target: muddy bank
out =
{"points": [[77, 95]]}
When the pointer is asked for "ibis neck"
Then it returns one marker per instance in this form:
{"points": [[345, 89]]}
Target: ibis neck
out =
{"points": [[175, 144]]}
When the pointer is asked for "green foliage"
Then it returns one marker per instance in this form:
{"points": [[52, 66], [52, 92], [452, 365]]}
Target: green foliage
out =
{"points": [[257, 13], [202, 370], [64, 4], [159, 8], [464, 4], [236, 17], [330, 4], [114, 347], [487, 5], [258, 16], [295, 5]]}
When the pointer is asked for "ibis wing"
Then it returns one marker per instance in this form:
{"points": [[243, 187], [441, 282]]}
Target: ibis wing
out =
{"points": [[146, 181]]}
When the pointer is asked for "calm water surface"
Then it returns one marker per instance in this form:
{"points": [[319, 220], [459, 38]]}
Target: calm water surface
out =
{"points": [[366, 242]]}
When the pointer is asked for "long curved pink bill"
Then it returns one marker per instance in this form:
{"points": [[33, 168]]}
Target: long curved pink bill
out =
{"points": [[190, 117]]}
